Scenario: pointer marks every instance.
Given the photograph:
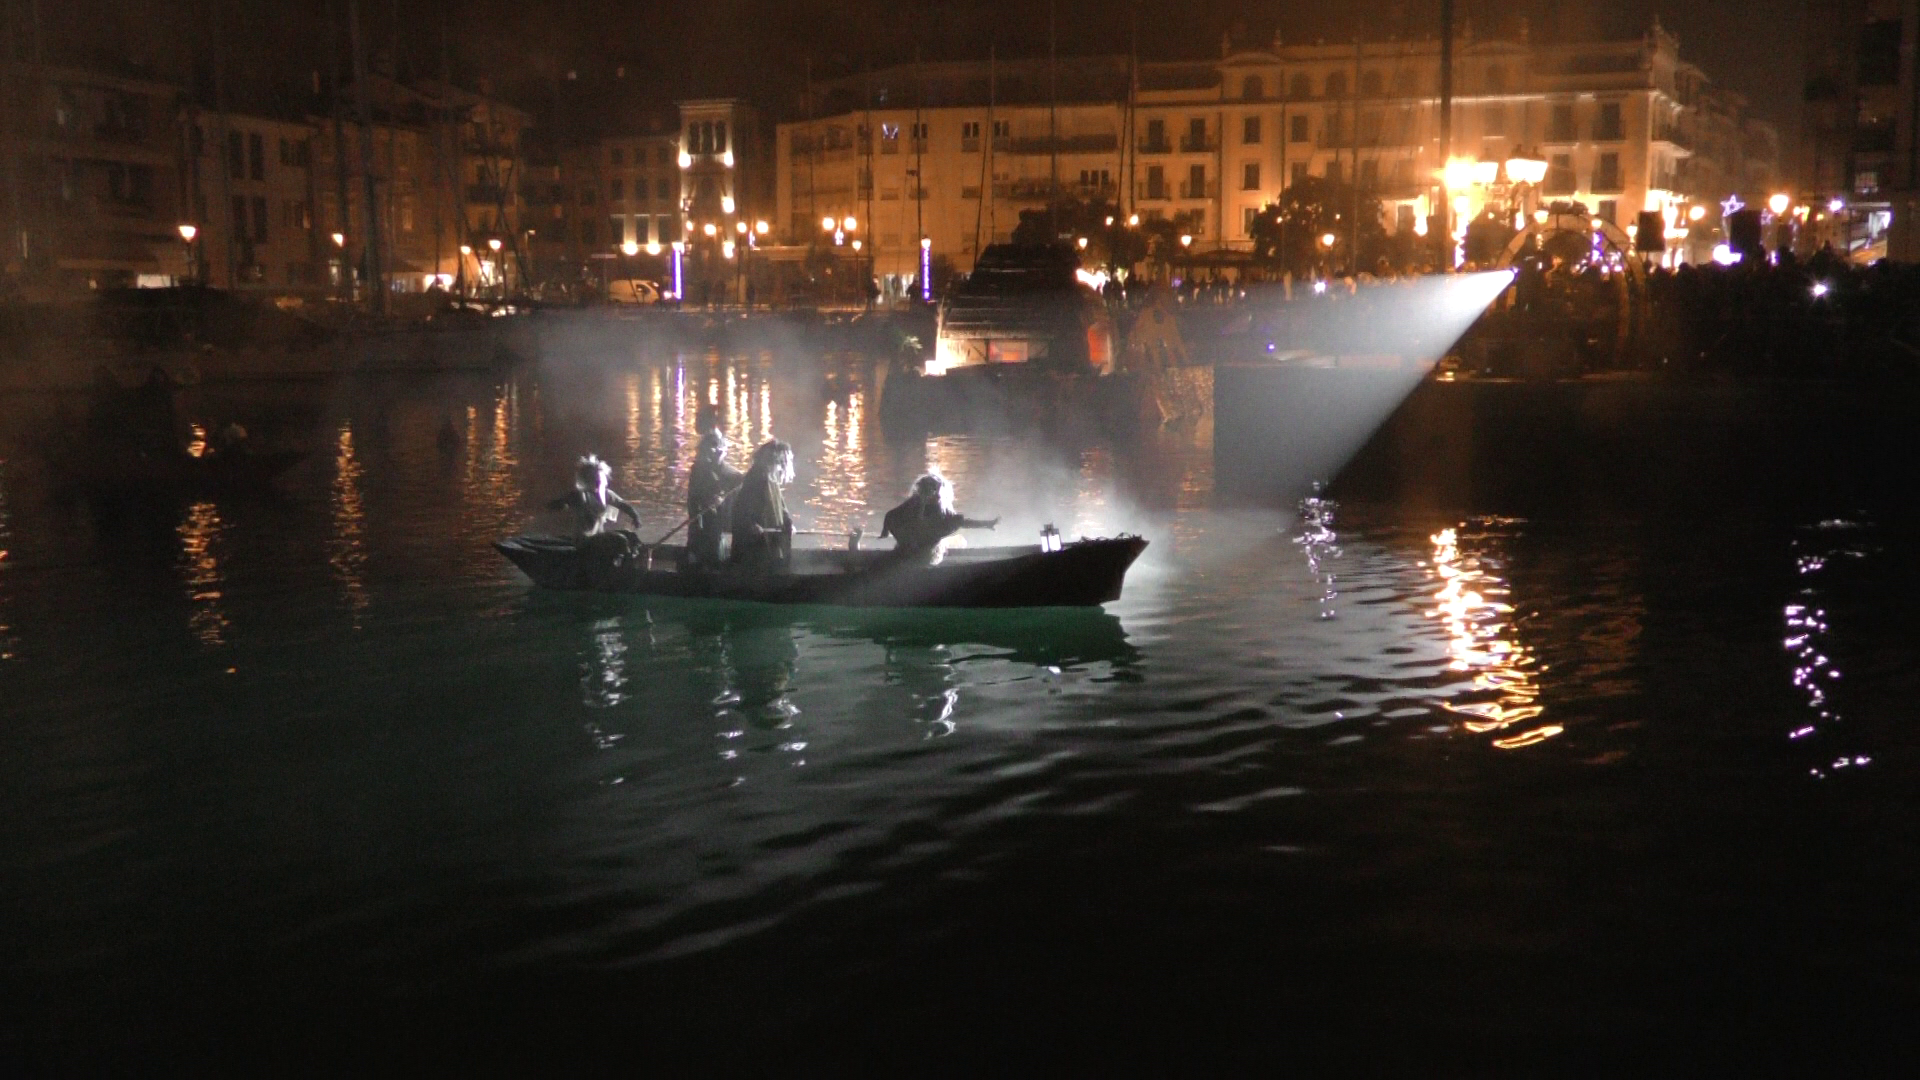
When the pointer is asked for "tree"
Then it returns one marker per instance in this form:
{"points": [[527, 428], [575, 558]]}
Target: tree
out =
{"points": [[1070, 218], [1289, 233]]}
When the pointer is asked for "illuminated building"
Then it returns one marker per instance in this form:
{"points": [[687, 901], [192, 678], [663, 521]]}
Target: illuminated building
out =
{"points": [[1207, 144]]}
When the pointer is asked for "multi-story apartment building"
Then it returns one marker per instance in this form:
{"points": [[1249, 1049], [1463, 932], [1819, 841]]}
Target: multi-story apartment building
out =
{"points": [[89, 178], [1209, 144], [1860, 125], [250, 184]]}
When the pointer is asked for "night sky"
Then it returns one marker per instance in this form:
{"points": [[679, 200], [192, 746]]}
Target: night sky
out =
{"points": [[760, 48]]}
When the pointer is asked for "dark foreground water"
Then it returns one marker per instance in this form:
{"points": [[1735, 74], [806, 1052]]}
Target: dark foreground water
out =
{"points": [[319, 783]]}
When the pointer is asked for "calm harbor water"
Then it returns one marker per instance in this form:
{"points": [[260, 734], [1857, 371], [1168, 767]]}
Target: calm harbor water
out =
{"points": [[298, 780]]}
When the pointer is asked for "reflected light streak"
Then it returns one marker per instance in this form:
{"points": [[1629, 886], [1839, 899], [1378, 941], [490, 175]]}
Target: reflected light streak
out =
{"points": [[200, 532], [347, 552], [8, 647], [1471, 606]]}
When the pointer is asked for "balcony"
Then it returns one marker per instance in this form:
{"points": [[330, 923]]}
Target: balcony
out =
{"points": [[1155, 146], [1207, 190], [1203, 144], [486, 193], [1025, 190], [1154, 192], [1065, 144]]}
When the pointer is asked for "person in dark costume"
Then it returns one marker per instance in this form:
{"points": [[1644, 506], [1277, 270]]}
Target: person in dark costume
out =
{"points": [[762, 528], [597, 509], [921, 525], [709, 483]]}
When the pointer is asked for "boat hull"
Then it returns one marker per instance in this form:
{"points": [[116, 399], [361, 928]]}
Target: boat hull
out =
{"points": [[1084, 574]]}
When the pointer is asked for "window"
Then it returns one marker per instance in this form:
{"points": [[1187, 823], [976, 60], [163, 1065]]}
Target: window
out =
{"points": [[1300, 131], [1493, 121], [1156, 182], [1560, 175], [660, 189], [920, 131], [1607, 174], [1299, 172], [1250, 130], [1609, 211], [890, 132], [1403, 218], [616, 156], [1156, 134], [1335, 130], [1608, 125], [720, 137], [1880, 53], [1560, 128], [1252, 88], [615, 190], [1196, 182], [240, 217], [970, 129], [1002, 129], [406, 213], [236, 157], [664, 156], [616, 230], [259, 219], [587, 234], [1372, 85], [1250, 176], [1300, 88], [1337, 84], [1247, 214], [256, 157]]}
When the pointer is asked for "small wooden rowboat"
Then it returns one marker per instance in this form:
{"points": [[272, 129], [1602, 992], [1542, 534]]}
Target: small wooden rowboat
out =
{"points": [[1087, 573]]}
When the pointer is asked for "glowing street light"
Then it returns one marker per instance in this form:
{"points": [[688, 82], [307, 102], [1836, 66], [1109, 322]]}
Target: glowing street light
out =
{"points": [[686, 160], [1820, 289], [1779, 203], [1458, 175], [493, 244], [856, 245], [1836, 205], [653, 247], [1525, 168], [726, 248], [1082, 241], [726, 158], [1133, 221], [1327, 240], [1540, 217], [926, 243], [760, 227], [740, 227], [726, 204], [850, 224], [188, 232], [339, 240], [629, 249], [1186, 240], [827, 224], [1695, 213], [710, 229]]}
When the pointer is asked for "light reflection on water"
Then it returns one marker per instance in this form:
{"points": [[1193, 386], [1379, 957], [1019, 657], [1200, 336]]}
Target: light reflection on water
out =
{"points": [[1483, 643], [1819, 554], [200, 536], [348, 554], [8, 647], [665, 779]]}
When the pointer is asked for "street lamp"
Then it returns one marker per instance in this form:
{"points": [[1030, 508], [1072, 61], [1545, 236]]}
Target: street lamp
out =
{"points": [[187, 232], [827, 224], [629, 249], [1779, 203], [340, 240], [726, 204], [760, 227], [1133, 221], [850, 223], [710, 229]]}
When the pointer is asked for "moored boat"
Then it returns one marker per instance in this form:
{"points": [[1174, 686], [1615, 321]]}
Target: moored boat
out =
{"points": [[1086, 573]]}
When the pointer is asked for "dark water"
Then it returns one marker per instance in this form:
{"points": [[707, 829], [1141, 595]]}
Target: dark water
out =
{"points": [[319, 782]]}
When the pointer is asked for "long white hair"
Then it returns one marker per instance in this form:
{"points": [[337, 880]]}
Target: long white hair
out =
{"points": [[934, 486], [777, 458], [591, 473]]}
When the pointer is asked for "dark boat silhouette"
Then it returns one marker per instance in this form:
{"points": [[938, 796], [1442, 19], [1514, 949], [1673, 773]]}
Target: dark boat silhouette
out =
{"points": [[1086, 573]]}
